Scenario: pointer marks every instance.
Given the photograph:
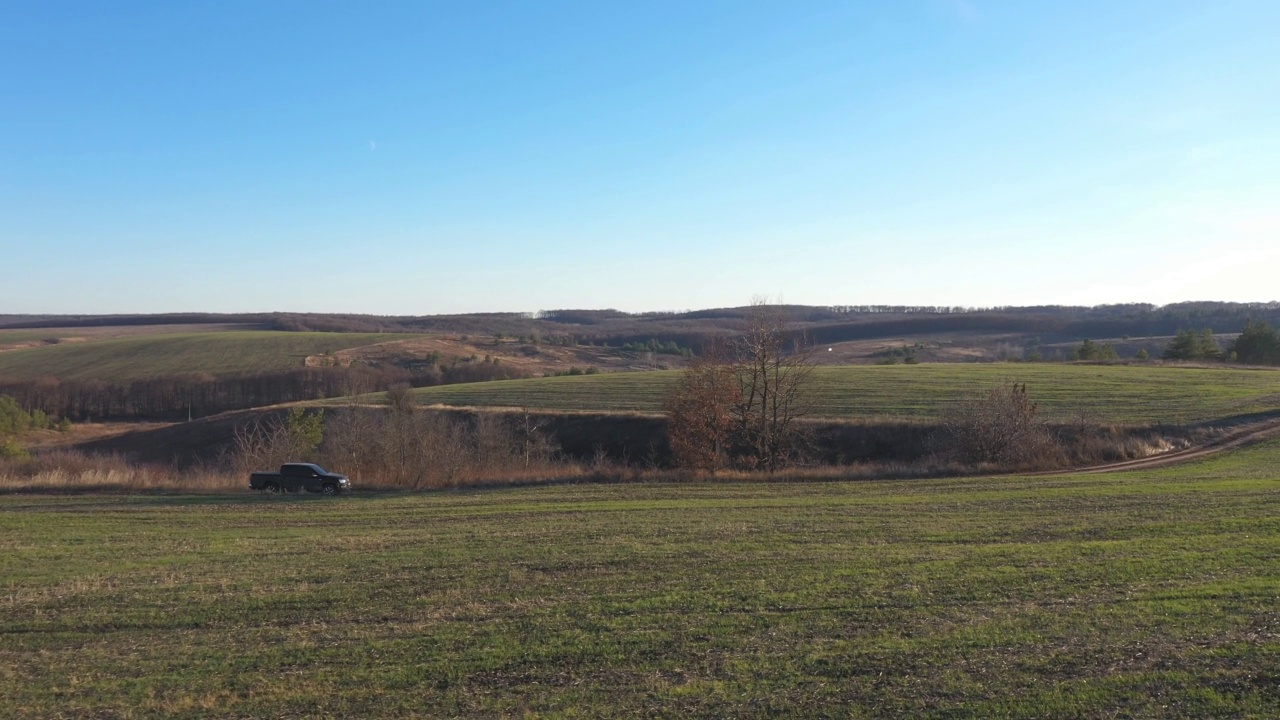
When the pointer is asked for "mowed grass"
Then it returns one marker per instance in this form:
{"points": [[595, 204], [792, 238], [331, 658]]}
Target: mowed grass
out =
{"points": [[144, 356], [1130, 595], [1123, 394]]}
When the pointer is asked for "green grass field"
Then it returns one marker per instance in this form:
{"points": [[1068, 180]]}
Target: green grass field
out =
{"points": [[1152, 594], [219, 353], [1133, 394], [17, 336]]}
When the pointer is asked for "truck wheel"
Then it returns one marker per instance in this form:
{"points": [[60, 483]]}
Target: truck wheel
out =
{"points": [[271, 488], [329, 489]]}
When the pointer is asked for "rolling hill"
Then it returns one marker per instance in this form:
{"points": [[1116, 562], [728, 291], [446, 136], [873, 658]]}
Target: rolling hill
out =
{"points": [[120, 359], [1100, 393]]}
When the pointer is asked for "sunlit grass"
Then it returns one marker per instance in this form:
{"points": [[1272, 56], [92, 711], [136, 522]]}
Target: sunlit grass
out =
{"points": [[1127, 394], [1138, 594]]}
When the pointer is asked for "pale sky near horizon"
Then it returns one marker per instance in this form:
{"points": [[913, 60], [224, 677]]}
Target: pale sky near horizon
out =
{"points": [[438, 157]]}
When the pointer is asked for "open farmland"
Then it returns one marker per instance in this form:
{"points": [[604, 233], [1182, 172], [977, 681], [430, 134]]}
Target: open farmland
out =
{"points": [[1152, 594], [23, 338], [151, 355], [1105, 393]]}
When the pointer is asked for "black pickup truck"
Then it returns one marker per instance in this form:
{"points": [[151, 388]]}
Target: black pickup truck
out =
{"points": [[300, 476]]}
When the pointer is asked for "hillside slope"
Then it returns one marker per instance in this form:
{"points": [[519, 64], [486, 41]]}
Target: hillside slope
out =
{"points": [[150, 355], [1098, 393]]}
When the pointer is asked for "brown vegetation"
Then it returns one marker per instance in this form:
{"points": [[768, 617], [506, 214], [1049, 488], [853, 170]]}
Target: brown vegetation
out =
{"points": [[520, 356], [700, 413], [468, 448], [194, 394], [399, 447], [1000, 427], [742, 401], [70, 471]]}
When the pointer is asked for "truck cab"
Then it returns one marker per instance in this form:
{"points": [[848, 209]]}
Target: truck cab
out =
{"points": [[293, 477]]}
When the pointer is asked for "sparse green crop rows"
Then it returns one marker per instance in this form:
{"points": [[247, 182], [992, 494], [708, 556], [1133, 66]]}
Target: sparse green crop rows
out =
{"points": [[1101, 393]]}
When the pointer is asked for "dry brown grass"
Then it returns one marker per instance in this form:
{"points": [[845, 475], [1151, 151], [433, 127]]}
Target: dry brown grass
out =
{"points": [[69, 471]]}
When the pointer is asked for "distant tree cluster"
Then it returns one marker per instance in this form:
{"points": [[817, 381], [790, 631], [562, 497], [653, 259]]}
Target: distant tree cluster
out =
{"points": [[1193, 345], [670, 347], [466, 370], [901, 309], [575, 371], [1258, 344], [1089, 350], [905, 354], [16, 421]]}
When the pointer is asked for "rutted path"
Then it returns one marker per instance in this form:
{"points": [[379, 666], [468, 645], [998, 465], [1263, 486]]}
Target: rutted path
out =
{"points": [[1236, 438]]}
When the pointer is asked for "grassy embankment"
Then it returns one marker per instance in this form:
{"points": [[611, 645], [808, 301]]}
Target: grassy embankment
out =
{"points": [[1149, 594], [147, 356], [1112, 394]]}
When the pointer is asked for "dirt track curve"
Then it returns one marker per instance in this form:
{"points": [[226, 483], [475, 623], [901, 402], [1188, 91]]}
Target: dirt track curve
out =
{"points": [[1238, 437]]}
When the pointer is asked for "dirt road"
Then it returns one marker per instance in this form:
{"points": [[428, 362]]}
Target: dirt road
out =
{"points": [[1235, 438]]}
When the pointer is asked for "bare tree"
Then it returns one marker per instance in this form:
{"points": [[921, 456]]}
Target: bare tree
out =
{"points": [[408, 448], [772, 365], [534, 446], [268, 443], [353, 442], [745, 400], [491, 442], [400, 399], [261, 445]]}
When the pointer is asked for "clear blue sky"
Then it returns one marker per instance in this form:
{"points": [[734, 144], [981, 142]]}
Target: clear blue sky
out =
{"points": [[420, 157]]}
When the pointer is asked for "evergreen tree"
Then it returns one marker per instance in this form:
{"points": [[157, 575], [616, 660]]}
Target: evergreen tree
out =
{"points": [[1192, 345], [1090, 350], [1259, 344], [1087, 350]]}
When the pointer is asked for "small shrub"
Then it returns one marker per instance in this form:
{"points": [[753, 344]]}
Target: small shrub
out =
{"points": [[11, 450], [1001, 426]]}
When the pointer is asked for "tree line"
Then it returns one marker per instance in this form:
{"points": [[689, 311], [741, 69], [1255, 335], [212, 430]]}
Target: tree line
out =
{"points": [[399, 447], [1257, 344]]}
